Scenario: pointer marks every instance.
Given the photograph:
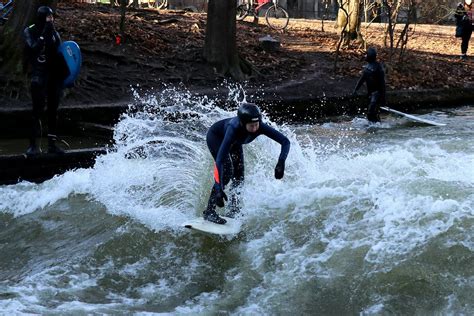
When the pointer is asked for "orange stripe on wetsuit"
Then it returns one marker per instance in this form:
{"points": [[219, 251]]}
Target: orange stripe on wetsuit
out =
{"points": [[216, 174]]}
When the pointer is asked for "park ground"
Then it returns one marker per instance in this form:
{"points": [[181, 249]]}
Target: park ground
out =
{"points": [[165, 48]]}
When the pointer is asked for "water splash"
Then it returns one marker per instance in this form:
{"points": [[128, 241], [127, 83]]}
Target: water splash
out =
{"points": [[359, 217]]}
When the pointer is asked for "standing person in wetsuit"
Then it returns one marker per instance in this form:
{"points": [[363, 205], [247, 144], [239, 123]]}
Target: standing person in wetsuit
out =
{"points": [[465, 21], [374, 76], [42, 42], [225, 139]]}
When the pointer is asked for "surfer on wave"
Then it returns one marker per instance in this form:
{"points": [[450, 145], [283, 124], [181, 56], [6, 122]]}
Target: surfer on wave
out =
{"points": [[224, 140]]}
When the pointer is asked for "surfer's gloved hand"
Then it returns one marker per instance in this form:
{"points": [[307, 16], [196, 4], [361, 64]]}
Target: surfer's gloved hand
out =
{"points": [[280, 169], [48, 29], [220, 195], [48, 33]]}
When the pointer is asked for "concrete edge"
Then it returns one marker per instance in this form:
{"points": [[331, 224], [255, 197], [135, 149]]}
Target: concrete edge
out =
{"points": [[279, 107]]}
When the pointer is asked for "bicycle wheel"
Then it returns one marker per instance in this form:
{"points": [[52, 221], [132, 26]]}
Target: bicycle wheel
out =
{"points": [[129, 3], [277, 17], [4, 14], [242, 11], [161, 4]]}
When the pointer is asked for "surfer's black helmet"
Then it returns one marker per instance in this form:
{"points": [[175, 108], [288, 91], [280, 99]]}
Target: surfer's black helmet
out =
{"points": [[42, 13], [249, 113], [371, 55]]}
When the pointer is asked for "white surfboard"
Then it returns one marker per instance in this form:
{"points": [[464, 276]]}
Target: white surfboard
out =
{"points": [[412, 117], [232, 226]]}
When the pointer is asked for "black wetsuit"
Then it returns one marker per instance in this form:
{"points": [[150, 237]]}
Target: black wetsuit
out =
{"points": [[225, 139], [42, 44], [374, 76], [464, 21]]}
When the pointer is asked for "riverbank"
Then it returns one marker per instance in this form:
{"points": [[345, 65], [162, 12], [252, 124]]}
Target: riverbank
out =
{"points": [[163, 48]]}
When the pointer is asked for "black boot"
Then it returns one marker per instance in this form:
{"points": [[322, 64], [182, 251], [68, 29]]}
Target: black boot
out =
{"points": [[33, 149], [52, 147], [214, 217], [210, 212]]}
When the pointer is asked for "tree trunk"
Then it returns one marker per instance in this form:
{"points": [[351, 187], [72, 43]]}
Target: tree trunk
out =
{"points": [[12, 79], [123, 11], [220, 46], [343, 23], [349, 14], [390, 28]]}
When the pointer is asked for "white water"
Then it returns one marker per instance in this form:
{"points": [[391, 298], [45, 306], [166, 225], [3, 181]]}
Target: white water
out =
{"points": [[357, 219]]}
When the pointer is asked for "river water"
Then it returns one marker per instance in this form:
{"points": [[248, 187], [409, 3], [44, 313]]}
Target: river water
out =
{"points": [[366, 221]]}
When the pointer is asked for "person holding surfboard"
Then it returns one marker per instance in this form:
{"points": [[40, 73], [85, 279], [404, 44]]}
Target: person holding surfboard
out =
{"points": [[374, 76], [224, 140], [42, 42]]}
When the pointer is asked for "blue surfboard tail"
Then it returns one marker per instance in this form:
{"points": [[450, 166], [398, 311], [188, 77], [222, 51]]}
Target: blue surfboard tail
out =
{"points": [[71, 54]]}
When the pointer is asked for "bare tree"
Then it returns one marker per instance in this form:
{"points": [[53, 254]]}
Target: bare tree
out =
{"points": [[391, 25], [393, 9], [404, 35], [371, 13], [325, 15], [123, 11], [343, 28], [220, 47]]}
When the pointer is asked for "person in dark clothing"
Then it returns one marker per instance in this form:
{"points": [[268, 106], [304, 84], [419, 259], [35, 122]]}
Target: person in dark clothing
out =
{"points": [[42, 42], [225, 139], [374, 76], [465, 22], [376, 13]]}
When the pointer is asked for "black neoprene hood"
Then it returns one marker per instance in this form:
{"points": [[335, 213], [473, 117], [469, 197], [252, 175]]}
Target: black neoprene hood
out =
{"points": [[249, 112]]}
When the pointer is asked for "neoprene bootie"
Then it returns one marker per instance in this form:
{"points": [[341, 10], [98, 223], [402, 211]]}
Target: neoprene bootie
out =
{"points": [[52, 147], [214, 217]]}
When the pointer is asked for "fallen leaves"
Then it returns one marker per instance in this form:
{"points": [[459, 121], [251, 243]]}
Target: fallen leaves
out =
{"points": [[178, 37]]}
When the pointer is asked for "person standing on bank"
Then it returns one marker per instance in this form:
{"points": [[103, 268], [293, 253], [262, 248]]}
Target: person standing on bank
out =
{"points": [[42, 42], [224, 140], [374, 76], [464, 25]]}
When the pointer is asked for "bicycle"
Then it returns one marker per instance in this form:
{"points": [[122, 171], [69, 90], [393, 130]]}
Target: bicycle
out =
{"points": [[275, 15], [5, 10]]}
